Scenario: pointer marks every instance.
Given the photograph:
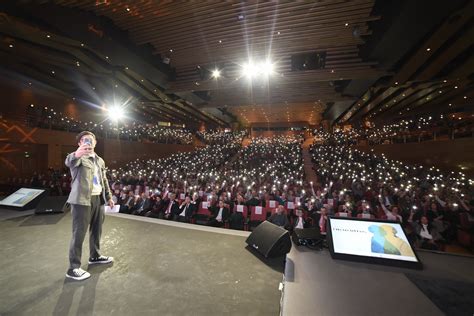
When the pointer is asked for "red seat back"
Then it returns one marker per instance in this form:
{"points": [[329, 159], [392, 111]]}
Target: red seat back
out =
{"points": [[244, 212], [258, 217]]}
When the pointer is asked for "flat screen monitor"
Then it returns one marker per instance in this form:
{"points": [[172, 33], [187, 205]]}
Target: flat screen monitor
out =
{"points": [[371, 241], [21, 197]]}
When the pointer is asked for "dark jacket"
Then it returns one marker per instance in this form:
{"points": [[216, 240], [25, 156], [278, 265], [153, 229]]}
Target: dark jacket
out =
{"points": [[190, 210], [225, 213], [174, 208]]}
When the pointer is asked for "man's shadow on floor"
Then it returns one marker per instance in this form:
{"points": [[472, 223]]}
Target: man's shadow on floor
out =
{"points": [[87, 301]]}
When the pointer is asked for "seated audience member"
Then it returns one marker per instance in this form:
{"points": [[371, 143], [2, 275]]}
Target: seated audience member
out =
{"points": [[129, 203], [171, 207], [365, 208], [254, 200], [279, 217], [320, 219], [137, 203], [236, 220], [239, 200], [299, 220], [385, 198], [144, 205], [186, 210], [431, 213], [157, 207], [393, 213], [426, 235], [195, 200], [220, 215], [344, 210]]}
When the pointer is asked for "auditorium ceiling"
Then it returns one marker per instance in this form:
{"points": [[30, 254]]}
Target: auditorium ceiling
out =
{"points": [[221, 62]]}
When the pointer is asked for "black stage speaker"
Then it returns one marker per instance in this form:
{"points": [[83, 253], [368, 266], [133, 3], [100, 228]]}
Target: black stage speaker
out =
{"points": [[51, 205], [270, 240], [310, 237]]}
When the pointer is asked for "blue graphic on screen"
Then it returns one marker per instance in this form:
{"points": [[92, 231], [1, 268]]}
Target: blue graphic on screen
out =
{"points": [[385, 240]]}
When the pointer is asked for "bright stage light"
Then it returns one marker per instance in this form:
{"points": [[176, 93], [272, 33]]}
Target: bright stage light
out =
{"points": [[216, 73], [266, 68], [251, 70], [116, 113]]}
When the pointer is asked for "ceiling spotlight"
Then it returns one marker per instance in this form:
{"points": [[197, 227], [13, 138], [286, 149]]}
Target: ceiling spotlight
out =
{"points": [[116, 113], [216, 73], [11, 45], [249, 70], [266, 68]]}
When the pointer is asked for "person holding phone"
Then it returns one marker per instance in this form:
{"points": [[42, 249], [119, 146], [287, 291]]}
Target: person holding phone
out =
{"points": [[89, 192]]}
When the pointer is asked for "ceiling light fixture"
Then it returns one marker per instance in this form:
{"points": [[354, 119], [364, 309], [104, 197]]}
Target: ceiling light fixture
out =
{"points": [[216, 73]]}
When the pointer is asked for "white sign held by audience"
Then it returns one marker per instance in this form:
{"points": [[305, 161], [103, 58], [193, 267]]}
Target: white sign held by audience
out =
{"points": [[240, 208], [290, 206], [365, 215], [342, 214], [272, 203], [182, 196], [116, 209], [205, 205], [258, 210]]}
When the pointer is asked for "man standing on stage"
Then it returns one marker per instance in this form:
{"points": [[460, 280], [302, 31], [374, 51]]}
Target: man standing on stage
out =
{"points": [[89, 192]]}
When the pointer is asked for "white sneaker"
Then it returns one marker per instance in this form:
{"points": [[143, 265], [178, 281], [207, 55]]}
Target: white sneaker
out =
{"points": [[101, 260], [77, 274]]}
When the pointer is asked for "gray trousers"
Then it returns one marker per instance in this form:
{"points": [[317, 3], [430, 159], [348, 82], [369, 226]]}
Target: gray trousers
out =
{"points": [[83, 217]]}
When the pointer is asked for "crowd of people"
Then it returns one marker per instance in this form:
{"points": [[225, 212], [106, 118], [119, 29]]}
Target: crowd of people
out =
{"points": [[269, 174], [56, 181], [224, 176], [220, 137], [426, 201], [134, 131], [228, 184], [422, 128], [412, 130]]}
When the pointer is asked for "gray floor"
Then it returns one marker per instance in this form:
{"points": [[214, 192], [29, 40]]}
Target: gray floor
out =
{"points": [[159, 270], [8, 214], [315, 284]]}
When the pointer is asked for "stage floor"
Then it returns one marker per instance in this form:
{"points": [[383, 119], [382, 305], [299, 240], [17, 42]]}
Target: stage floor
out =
{"points": [[159, 270], [315, 284]]}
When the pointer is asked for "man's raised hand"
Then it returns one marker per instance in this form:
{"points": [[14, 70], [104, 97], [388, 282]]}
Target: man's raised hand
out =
{"points": [[83, 150]]}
